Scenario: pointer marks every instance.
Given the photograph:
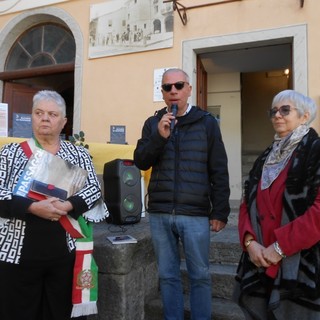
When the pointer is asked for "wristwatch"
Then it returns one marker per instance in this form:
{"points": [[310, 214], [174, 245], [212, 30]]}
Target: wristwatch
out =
{"points": [[278, 250]]}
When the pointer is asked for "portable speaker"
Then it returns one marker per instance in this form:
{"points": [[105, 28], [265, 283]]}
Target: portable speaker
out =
{"points": [[122, 191]]}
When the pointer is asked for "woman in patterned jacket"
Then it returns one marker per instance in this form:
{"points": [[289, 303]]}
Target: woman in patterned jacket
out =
{"points": [[36, 254]]}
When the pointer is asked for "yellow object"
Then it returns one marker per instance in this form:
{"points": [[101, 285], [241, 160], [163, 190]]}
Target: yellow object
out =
{"points": [[100, 152]]}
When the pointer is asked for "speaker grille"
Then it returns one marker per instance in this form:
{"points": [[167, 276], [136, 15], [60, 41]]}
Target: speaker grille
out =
{"points": [[122, 191]]}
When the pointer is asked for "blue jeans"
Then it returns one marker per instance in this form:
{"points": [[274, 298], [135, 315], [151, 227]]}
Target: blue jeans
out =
{"points": [[194, 232]]}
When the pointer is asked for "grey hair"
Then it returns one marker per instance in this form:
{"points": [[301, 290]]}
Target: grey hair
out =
{"points": [[301, 102], [49, 95], [173, 70]]}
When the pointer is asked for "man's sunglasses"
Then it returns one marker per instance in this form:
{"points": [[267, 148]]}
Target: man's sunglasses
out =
{"points": [[178, 85], [283, 110]]}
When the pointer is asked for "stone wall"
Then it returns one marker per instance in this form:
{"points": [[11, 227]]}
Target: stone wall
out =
{"points": [[128, 276]]}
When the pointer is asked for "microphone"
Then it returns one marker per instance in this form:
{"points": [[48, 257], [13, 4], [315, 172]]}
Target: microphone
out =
{"points": [[174, 110]]}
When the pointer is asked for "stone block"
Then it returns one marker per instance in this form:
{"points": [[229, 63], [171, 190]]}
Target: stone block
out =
{"points": [[127, 272]]}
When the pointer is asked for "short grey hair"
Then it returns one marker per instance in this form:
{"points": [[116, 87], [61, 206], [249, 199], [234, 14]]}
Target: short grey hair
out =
{"points": [[301, 102], [49, 95], [175, 70]]}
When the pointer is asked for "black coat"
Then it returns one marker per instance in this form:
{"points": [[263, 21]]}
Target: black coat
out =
{"points": [[189, 169]]}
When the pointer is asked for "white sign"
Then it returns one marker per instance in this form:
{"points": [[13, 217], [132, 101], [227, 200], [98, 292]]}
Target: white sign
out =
{"points": [[3, 119]]}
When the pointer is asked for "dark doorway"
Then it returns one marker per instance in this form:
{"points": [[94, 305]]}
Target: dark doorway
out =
{"points": [[41, 58]]}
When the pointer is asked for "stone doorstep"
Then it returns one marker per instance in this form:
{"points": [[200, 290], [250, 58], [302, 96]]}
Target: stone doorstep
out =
{"points": [[222, 278], [225, 247]]}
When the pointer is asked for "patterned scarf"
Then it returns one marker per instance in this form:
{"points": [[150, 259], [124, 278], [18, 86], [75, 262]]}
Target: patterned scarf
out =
{"points": [[280, 154]]}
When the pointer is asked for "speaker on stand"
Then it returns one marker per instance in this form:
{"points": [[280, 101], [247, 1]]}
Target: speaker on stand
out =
{"points": [[122, 191]]}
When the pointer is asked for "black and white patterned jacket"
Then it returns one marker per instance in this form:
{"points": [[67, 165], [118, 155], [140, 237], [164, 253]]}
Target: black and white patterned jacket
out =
{"points": [[13, 208]]}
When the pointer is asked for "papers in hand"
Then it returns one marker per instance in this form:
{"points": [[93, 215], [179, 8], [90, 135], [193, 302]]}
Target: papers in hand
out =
{"points": [[122, 239], [47, 171]]}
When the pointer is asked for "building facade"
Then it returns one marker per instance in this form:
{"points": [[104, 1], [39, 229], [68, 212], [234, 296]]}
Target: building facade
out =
{"points": [[238, 53]]}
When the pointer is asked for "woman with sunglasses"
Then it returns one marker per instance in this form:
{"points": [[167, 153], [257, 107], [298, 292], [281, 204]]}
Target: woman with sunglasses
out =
{"points": [[279, 222], [188, 193]]}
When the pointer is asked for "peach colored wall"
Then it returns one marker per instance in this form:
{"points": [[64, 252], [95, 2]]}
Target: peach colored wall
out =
{"points": [[118, 90]]}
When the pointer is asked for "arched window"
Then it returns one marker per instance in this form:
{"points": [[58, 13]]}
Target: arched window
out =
{"points": [[157, 26], [43, 45], [43, 57]]}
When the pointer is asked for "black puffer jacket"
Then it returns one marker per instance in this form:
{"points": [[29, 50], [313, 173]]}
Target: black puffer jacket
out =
{"points": [[189, 169]]}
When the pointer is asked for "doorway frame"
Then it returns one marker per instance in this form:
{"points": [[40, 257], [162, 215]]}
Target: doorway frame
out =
{"points": [[296, 34]]}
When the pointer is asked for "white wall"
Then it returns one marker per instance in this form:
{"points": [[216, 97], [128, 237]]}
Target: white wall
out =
{"points": [[224, 91]]}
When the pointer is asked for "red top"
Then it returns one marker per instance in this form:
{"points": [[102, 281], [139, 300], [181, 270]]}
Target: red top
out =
{"points": [[302, 233]]}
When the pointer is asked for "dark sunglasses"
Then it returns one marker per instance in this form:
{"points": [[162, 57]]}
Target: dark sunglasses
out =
{"points": [[178, 85], [283, 110]]}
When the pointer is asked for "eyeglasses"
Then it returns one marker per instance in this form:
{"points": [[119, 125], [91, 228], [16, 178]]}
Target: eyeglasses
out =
{"points": [[283, 110], [167, 87]]}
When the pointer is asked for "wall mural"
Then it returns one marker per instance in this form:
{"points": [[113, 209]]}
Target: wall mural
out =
{"points": [[126, 26]]}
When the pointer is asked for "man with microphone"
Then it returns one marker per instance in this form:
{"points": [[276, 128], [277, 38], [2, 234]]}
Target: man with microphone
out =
{"points": [[188, 193]]}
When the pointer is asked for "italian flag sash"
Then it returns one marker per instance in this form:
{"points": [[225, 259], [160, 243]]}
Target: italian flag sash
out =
{"points": [[85, 272]]}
